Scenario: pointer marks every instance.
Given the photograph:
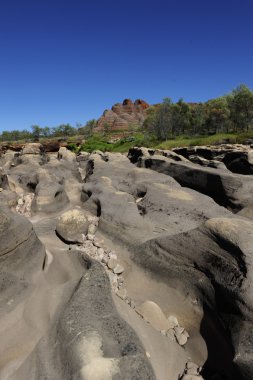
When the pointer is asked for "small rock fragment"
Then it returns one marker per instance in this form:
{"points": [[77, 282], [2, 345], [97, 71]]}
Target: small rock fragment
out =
{"points": [[112, 263], [173, 321], [105, 259], [171, 334], [118, 269], [181, 339], [112, 255], [92, 229], [179, 330]]}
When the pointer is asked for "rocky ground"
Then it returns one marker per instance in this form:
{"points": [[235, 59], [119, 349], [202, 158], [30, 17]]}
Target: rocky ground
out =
{"points": [[116, 267]]}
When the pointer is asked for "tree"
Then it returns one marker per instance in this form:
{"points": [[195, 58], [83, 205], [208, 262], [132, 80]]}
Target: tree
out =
{"points": [[198, 118], [6, 136], [162, 121], [87, 129], [218, 115], [64, 130], [36, 131], [241, 108], [180, 117], [46, 132]]}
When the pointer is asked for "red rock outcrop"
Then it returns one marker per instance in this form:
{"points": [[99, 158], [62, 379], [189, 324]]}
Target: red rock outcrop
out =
{"points": [[123, 115]]}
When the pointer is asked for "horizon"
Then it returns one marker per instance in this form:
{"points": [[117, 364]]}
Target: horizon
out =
{"points": [[67, 62]]}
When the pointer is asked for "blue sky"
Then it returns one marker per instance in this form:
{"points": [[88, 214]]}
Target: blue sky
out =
{"points": [[66, 61]]}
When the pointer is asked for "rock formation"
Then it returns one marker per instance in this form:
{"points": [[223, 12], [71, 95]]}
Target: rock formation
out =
{"points": [[115, 267], [123, 115], [237, 158]]}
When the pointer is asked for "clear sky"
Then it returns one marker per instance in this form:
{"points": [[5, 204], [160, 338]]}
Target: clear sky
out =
{"points": [[65, 61]]}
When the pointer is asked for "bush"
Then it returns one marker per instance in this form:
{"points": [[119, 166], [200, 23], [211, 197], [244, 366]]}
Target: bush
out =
{"points": [[96, 143], [73, 147]]}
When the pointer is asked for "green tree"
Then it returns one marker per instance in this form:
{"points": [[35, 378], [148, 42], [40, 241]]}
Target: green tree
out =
{"points": [[64, 130], [163, 120], [218, 115], [241, 108], [180, 117], [46, 132], [88, 128], [36, 132], [6, 136], [198, 118]]}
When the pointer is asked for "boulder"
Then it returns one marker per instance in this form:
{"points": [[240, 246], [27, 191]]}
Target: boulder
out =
{"points": [[72, 226]]}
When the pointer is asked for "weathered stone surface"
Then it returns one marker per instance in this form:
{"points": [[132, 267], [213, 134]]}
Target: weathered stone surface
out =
{"points": [[4, 183], [30, 154], [228, 189], [239, 161], [122, 293], [180, 239], [49, 197], [247, 212], [32, 148], [192, 377], [21, 257], [219, 266], [82, 156], [83, 332], [153, 314], [66, 154]]}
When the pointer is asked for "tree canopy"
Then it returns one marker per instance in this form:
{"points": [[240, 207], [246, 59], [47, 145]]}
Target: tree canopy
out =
{"points": [[229, 113]]}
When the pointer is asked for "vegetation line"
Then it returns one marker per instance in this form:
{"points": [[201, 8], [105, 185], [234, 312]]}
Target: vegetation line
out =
{"points": [[167, 125]]}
